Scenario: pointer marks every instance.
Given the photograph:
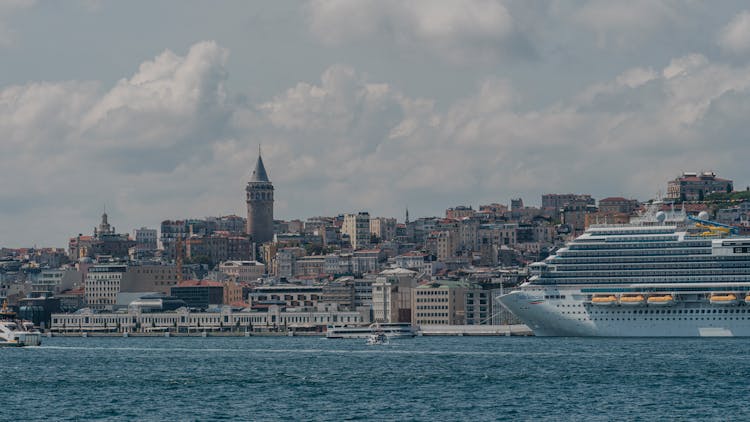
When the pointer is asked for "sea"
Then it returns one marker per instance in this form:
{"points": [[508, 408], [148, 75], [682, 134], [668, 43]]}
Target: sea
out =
{"points": [[418, 379]]}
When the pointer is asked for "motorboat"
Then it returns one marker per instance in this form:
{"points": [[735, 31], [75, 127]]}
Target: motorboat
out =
{"points": [[16, 333], [392, 330], [377, 338]]}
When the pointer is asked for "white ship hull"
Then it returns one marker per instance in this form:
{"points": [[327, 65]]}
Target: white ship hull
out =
{"points": [[567, 311]]}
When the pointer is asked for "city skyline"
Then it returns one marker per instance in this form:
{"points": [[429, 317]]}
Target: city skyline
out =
{"points": [[357, 111]]}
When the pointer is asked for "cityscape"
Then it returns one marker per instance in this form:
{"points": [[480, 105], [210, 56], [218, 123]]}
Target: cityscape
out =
{"points": [[376, 210], [240, 275]]}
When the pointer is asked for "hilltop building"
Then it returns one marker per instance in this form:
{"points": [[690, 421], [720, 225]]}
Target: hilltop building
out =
{"points": [[696, 186], [259, 198]]}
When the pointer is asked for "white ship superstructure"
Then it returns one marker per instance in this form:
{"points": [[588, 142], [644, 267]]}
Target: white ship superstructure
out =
{"points": [[662, 275]]}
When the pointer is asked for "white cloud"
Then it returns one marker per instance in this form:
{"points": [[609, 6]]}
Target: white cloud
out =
{"points": [[735, 36], [452, 30], [167, 142]]}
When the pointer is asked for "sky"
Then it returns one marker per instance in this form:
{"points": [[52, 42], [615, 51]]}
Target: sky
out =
{"points": [[156, 109]]}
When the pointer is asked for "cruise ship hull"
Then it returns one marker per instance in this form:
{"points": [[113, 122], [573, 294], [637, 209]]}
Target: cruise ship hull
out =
{"points": [[567, 311]]}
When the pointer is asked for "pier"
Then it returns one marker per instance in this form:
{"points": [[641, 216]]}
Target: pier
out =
{"points": [[475, 330]]}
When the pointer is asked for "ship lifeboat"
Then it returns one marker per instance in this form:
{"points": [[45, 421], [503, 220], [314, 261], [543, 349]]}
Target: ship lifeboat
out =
{"points": [[604, 300], [724, 299], [632, 300], [661, 300], [747, 298]]}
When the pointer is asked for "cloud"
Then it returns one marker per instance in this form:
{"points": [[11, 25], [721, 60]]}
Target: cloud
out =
{"points": [[735, 36], [143, 141], [456, 31], [168, 141]]}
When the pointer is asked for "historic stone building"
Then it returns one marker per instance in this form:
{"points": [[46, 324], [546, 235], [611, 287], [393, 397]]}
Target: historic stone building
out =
{"points": [[260, 204]]}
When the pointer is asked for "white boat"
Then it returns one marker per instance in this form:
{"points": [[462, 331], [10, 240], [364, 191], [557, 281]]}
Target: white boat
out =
{"points": [[391, 330], [673, 278], [16, 333], [377, 338]]}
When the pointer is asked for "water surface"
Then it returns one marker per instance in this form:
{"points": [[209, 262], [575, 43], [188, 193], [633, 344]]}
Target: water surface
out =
{"points": [[425, 378]]}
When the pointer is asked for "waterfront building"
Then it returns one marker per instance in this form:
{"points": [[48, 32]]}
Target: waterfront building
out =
{"points": [[199, 294], [696, 186], [104, 281], [259, 198], [444, 302], [183, 320], [391, 295]]}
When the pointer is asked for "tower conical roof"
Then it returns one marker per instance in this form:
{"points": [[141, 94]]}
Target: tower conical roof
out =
{"points": [[259, 174]]}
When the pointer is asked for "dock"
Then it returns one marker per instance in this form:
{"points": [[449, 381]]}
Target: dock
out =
{"points": [[475, 330]]}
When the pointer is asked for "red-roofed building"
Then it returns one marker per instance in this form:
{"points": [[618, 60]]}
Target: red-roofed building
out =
{"points": [[696, 186]]}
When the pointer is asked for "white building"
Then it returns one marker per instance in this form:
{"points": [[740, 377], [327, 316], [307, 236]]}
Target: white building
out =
{"points": [[183, 320]]}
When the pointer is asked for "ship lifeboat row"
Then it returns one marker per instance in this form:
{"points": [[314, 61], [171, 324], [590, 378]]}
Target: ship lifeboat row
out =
{"points": [[725, 299], [662, 299]]}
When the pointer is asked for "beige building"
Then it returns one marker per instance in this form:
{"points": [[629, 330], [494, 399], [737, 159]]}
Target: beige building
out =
{"points": [[357, 227], [383, 228], [104, 282], [443, 303], [243, 271], [391, 295]]}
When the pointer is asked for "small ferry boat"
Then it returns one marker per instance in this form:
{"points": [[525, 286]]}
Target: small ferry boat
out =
{"points": [[391, 330], [632, 300], [723, 299], [661, 300], [16, 333], [604, 300]]}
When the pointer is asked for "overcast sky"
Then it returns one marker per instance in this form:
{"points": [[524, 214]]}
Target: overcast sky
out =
{"points": [[156, 108]]}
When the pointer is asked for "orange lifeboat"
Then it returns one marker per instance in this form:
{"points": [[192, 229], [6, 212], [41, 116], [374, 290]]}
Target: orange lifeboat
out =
{"points": [[632, 300], [604, 300], [661, 300], [723, 299]]}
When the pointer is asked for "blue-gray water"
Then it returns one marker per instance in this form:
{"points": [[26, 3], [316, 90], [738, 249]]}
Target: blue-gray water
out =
{"points": [[427, 378]]}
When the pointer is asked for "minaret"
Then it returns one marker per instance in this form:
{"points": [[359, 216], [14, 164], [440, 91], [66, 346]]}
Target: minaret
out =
{"points": [[259, 200]]}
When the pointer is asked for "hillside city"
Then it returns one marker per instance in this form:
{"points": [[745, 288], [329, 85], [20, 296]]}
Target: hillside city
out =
{"points": [[254, 273]]}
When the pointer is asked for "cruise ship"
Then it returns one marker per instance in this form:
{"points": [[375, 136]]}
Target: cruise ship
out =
{"points": [[663, 275]]}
